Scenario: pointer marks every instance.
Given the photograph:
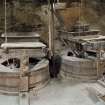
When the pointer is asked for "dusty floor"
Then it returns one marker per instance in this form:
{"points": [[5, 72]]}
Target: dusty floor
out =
{"points": [[59, 92]]}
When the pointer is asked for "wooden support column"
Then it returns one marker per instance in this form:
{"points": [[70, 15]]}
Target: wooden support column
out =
{"points": [[24, 81], [51, 28], [58, 1]]}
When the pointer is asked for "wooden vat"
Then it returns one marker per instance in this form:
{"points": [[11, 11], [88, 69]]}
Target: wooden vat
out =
{"points": [[23, 67], [10, 80], [81, 69]]}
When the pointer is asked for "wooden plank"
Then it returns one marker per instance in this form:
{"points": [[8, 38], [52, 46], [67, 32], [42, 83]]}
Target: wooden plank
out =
{"points": [[24, 84]]}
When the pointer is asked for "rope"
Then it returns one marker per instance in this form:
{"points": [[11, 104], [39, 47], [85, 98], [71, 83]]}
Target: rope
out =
{"points": [[5, 28], [80, 7]]}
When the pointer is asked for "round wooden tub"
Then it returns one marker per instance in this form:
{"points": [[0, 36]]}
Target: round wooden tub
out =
{"points": [[10, 80], [81, 69]]}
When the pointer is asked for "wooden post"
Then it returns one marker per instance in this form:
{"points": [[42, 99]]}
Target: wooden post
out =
{"points": [[98, 63], [58, 1], [51, 28], [24, 81]]}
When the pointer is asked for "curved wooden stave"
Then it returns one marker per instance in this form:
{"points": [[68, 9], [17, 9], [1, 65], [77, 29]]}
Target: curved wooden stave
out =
{"points": [[38, 78], [82, 70]]}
